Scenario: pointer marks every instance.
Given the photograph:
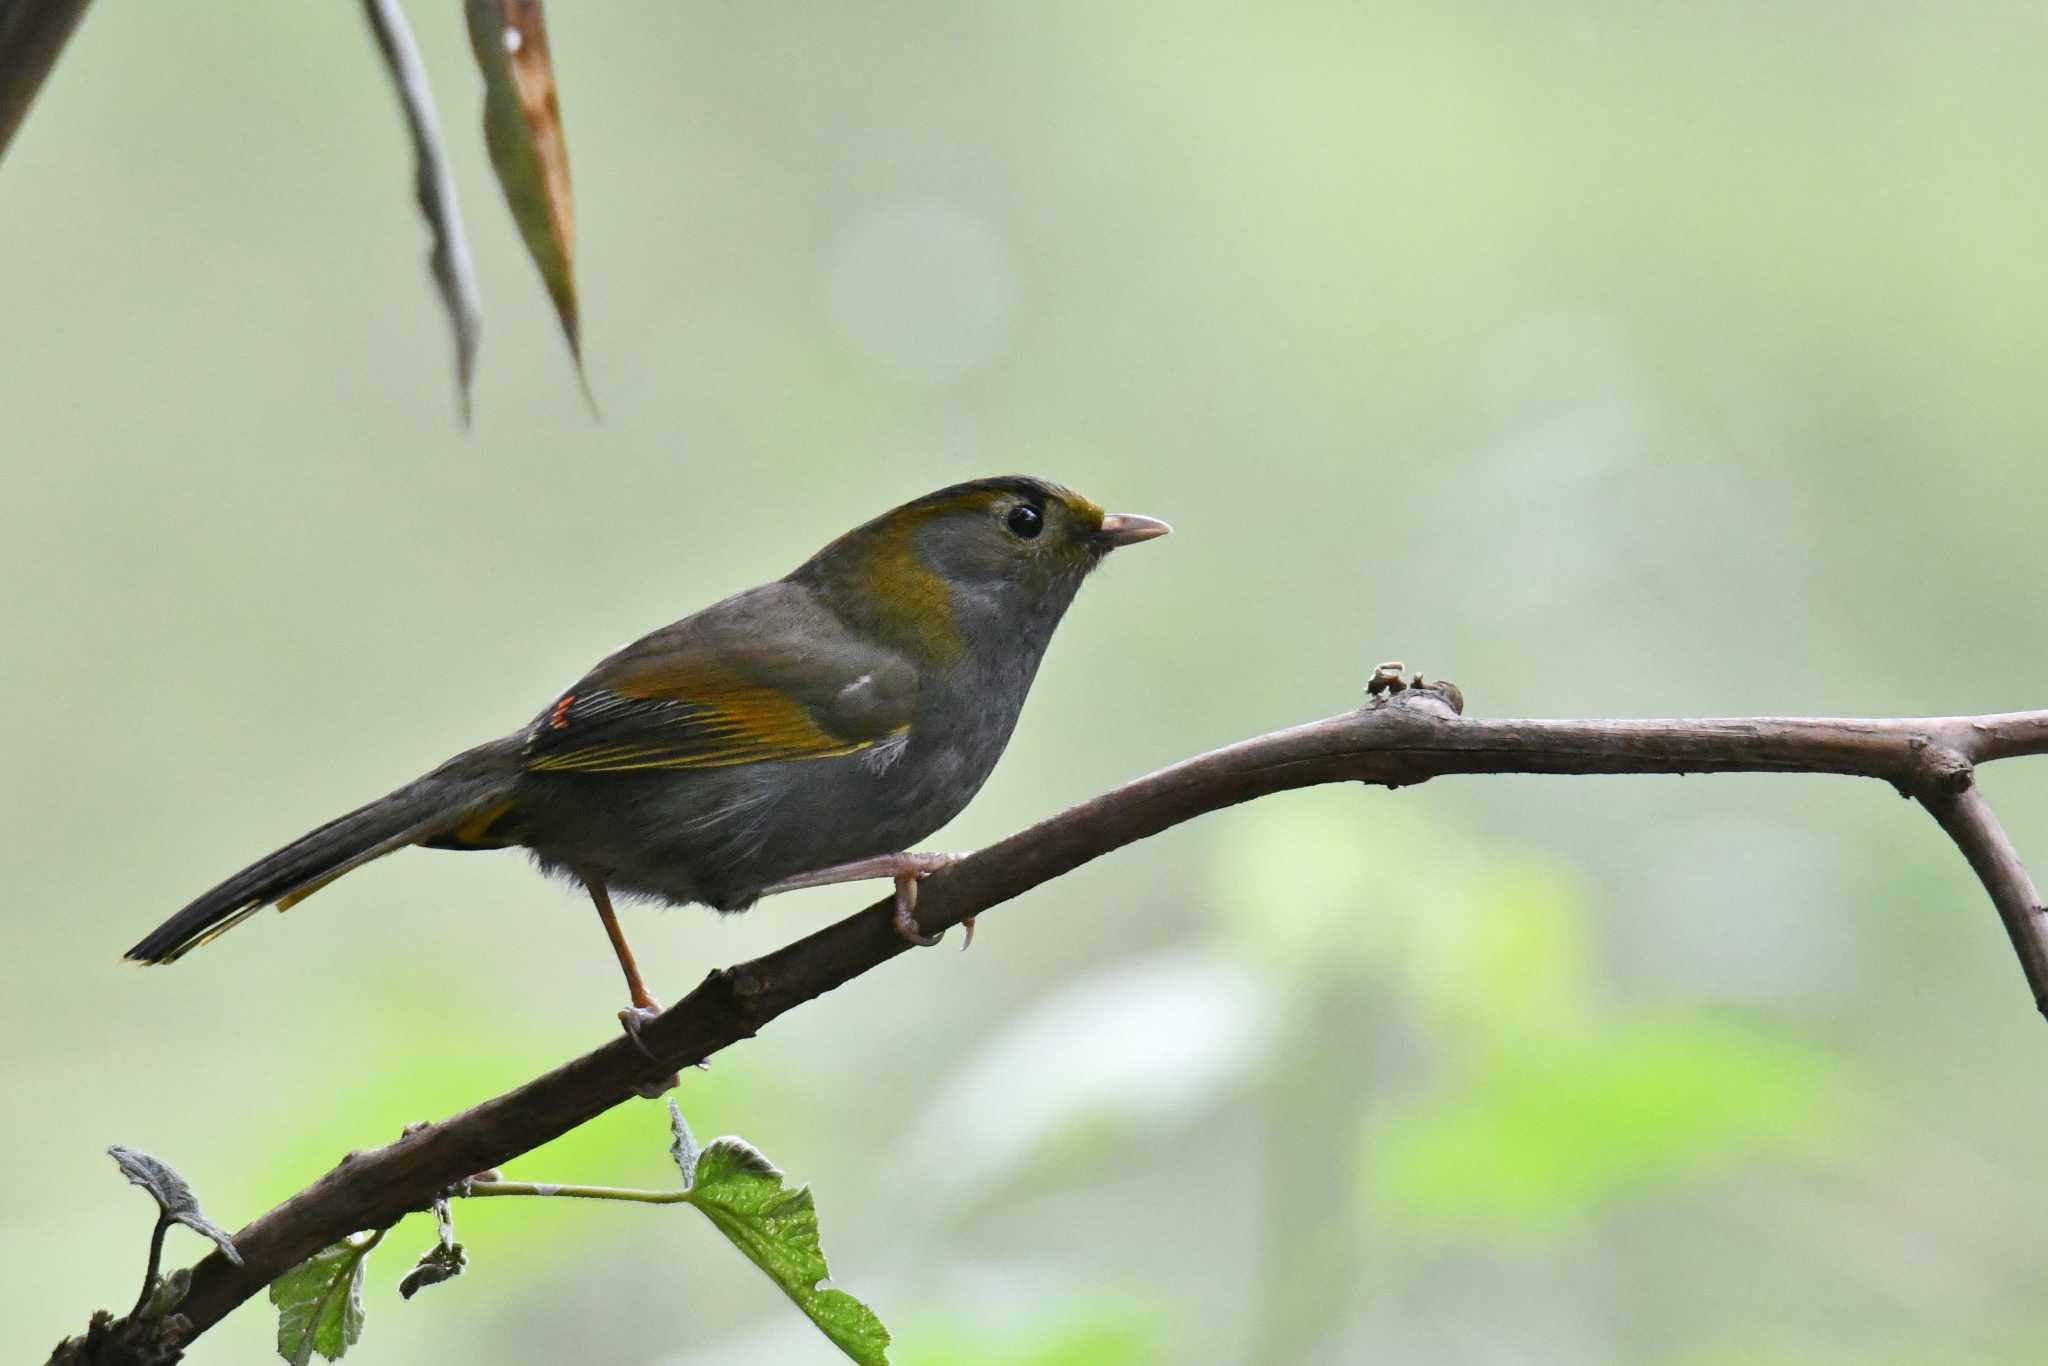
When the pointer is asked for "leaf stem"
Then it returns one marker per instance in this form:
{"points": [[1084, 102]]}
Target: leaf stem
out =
{"points": [[156, 1253], [485, 1189], [339, 1285]]}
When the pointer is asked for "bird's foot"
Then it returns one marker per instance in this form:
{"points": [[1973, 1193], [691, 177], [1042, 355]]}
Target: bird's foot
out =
{"points": [[905, 918], [632, 1019], [906, 870], [911, 869]]}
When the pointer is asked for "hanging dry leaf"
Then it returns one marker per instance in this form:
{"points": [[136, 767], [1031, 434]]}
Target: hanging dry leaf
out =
{"points": [[523, 128], [32, 35], [453, 271]]}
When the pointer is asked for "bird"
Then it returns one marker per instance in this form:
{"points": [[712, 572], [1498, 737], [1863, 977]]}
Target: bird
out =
{"points": [[805, 732]]}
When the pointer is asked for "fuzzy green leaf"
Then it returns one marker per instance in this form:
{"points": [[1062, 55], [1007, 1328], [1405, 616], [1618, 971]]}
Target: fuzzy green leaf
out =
{"points": [[172, 1196], [742, 1193], [683, 1145], [320, 1301]]}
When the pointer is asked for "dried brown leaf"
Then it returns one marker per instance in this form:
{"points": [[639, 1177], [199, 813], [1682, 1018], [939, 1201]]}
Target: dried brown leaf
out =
{"points": [[32, 36], [523, 129], [454, 273]]}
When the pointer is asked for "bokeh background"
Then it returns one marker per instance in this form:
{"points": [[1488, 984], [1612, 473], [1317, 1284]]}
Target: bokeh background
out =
{"points": [[1608, 358]]}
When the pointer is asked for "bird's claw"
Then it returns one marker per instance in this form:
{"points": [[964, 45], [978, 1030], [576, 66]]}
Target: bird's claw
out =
{"points": [[905, 915], [916, 867], [635, 1018], [913, 868], [632, 1019]]}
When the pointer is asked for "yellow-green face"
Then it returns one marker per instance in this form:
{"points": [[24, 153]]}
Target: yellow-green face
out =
{"points": [[1011, 538]]}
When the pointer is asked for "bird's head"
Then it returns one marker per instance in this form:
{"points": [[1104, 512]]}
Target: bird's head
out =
{"points": [[987, 565]]}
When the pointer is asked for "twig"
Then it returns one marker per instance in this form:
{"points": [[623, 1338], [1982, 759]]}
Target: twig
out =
{"points": [[1405, 735], [1974, 826], [485, 1189]]}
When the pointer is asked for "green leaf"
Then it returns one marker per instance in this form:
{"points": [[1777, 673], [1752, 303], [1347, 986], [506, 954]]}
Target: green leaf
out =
{"points": [[742, 1193], [172, 1196], [320, 1301]]}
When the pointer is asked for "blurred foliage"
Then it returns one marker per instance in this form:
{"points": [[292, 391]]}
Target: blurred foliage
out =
{"points": [[1081, 1337], [1606, 358], [1554, 1138], [1557, 1105]]}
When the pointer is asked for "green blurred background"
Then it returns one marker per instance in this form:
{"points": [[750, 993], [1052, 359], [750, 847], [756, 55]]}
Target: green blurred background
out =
{"points": [[1608, 358]]}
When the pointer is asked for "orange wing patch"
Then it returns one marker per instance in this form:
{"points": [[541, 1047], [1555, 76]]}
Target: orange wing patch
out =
{"points": [[722, 722]]}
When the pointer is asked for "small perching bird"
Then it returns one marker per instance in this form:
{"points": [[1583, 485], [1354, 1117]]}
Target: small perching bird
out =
{"points": [[804, 732]]}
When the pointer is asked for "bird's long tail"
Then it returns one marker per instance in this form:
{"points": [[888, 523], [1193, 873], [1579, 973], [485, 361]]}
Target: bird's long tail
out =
{"points": [[454, 806]]}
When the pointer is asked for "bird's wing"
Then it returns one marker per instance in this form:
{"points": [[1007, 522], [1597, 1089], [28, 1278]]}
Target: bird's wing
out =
{"points": [[762, 677]]}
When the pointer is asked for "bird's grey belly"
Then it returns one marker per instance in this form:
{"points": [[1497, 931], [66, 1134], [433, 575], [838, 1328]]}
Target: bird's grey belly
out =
{"points": [[721, 835]]}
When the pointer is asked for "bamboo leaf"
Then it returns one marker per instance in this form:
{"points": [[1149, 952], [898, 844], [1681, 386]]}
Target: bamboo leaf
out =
{"points": [[523, 129], [454, 272]]}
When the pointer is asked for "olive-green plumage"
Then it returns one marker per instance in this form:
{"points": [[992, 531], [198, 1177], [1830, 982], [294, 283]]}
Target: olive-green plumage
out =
{"points": [[843, 712]]}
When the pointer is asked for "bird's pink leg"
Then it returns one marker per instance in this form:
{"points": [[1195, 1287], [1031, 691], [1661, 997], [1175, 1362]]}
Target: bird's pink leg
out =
{"points": [[644, 1007], [905, 869]]}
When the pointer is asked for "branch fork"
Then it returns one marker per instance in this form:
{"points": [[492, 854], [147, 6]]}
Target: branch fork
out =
{"points": [[1407, 732]]}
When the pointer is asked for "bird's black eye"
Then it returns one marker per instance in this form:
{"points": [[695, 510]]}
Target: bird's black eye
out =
{"points": [[1025, 520]]}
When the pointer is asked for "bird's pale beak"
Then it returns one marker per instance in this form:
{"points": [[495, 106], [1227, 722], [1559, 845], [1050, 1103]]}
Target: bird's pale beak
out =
{"points": [[1128, 528]]}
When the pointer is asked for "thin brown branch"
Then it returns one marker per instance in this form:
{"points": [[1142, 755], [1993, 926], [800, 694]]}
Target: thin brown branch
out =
{"points": [[32, 36], [1974, 826], [1401, 739]]}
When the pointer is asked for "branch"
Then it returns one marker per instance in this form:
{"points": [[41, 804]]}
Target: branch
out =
{"points": [[1974, 826], [1404, 735]]}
